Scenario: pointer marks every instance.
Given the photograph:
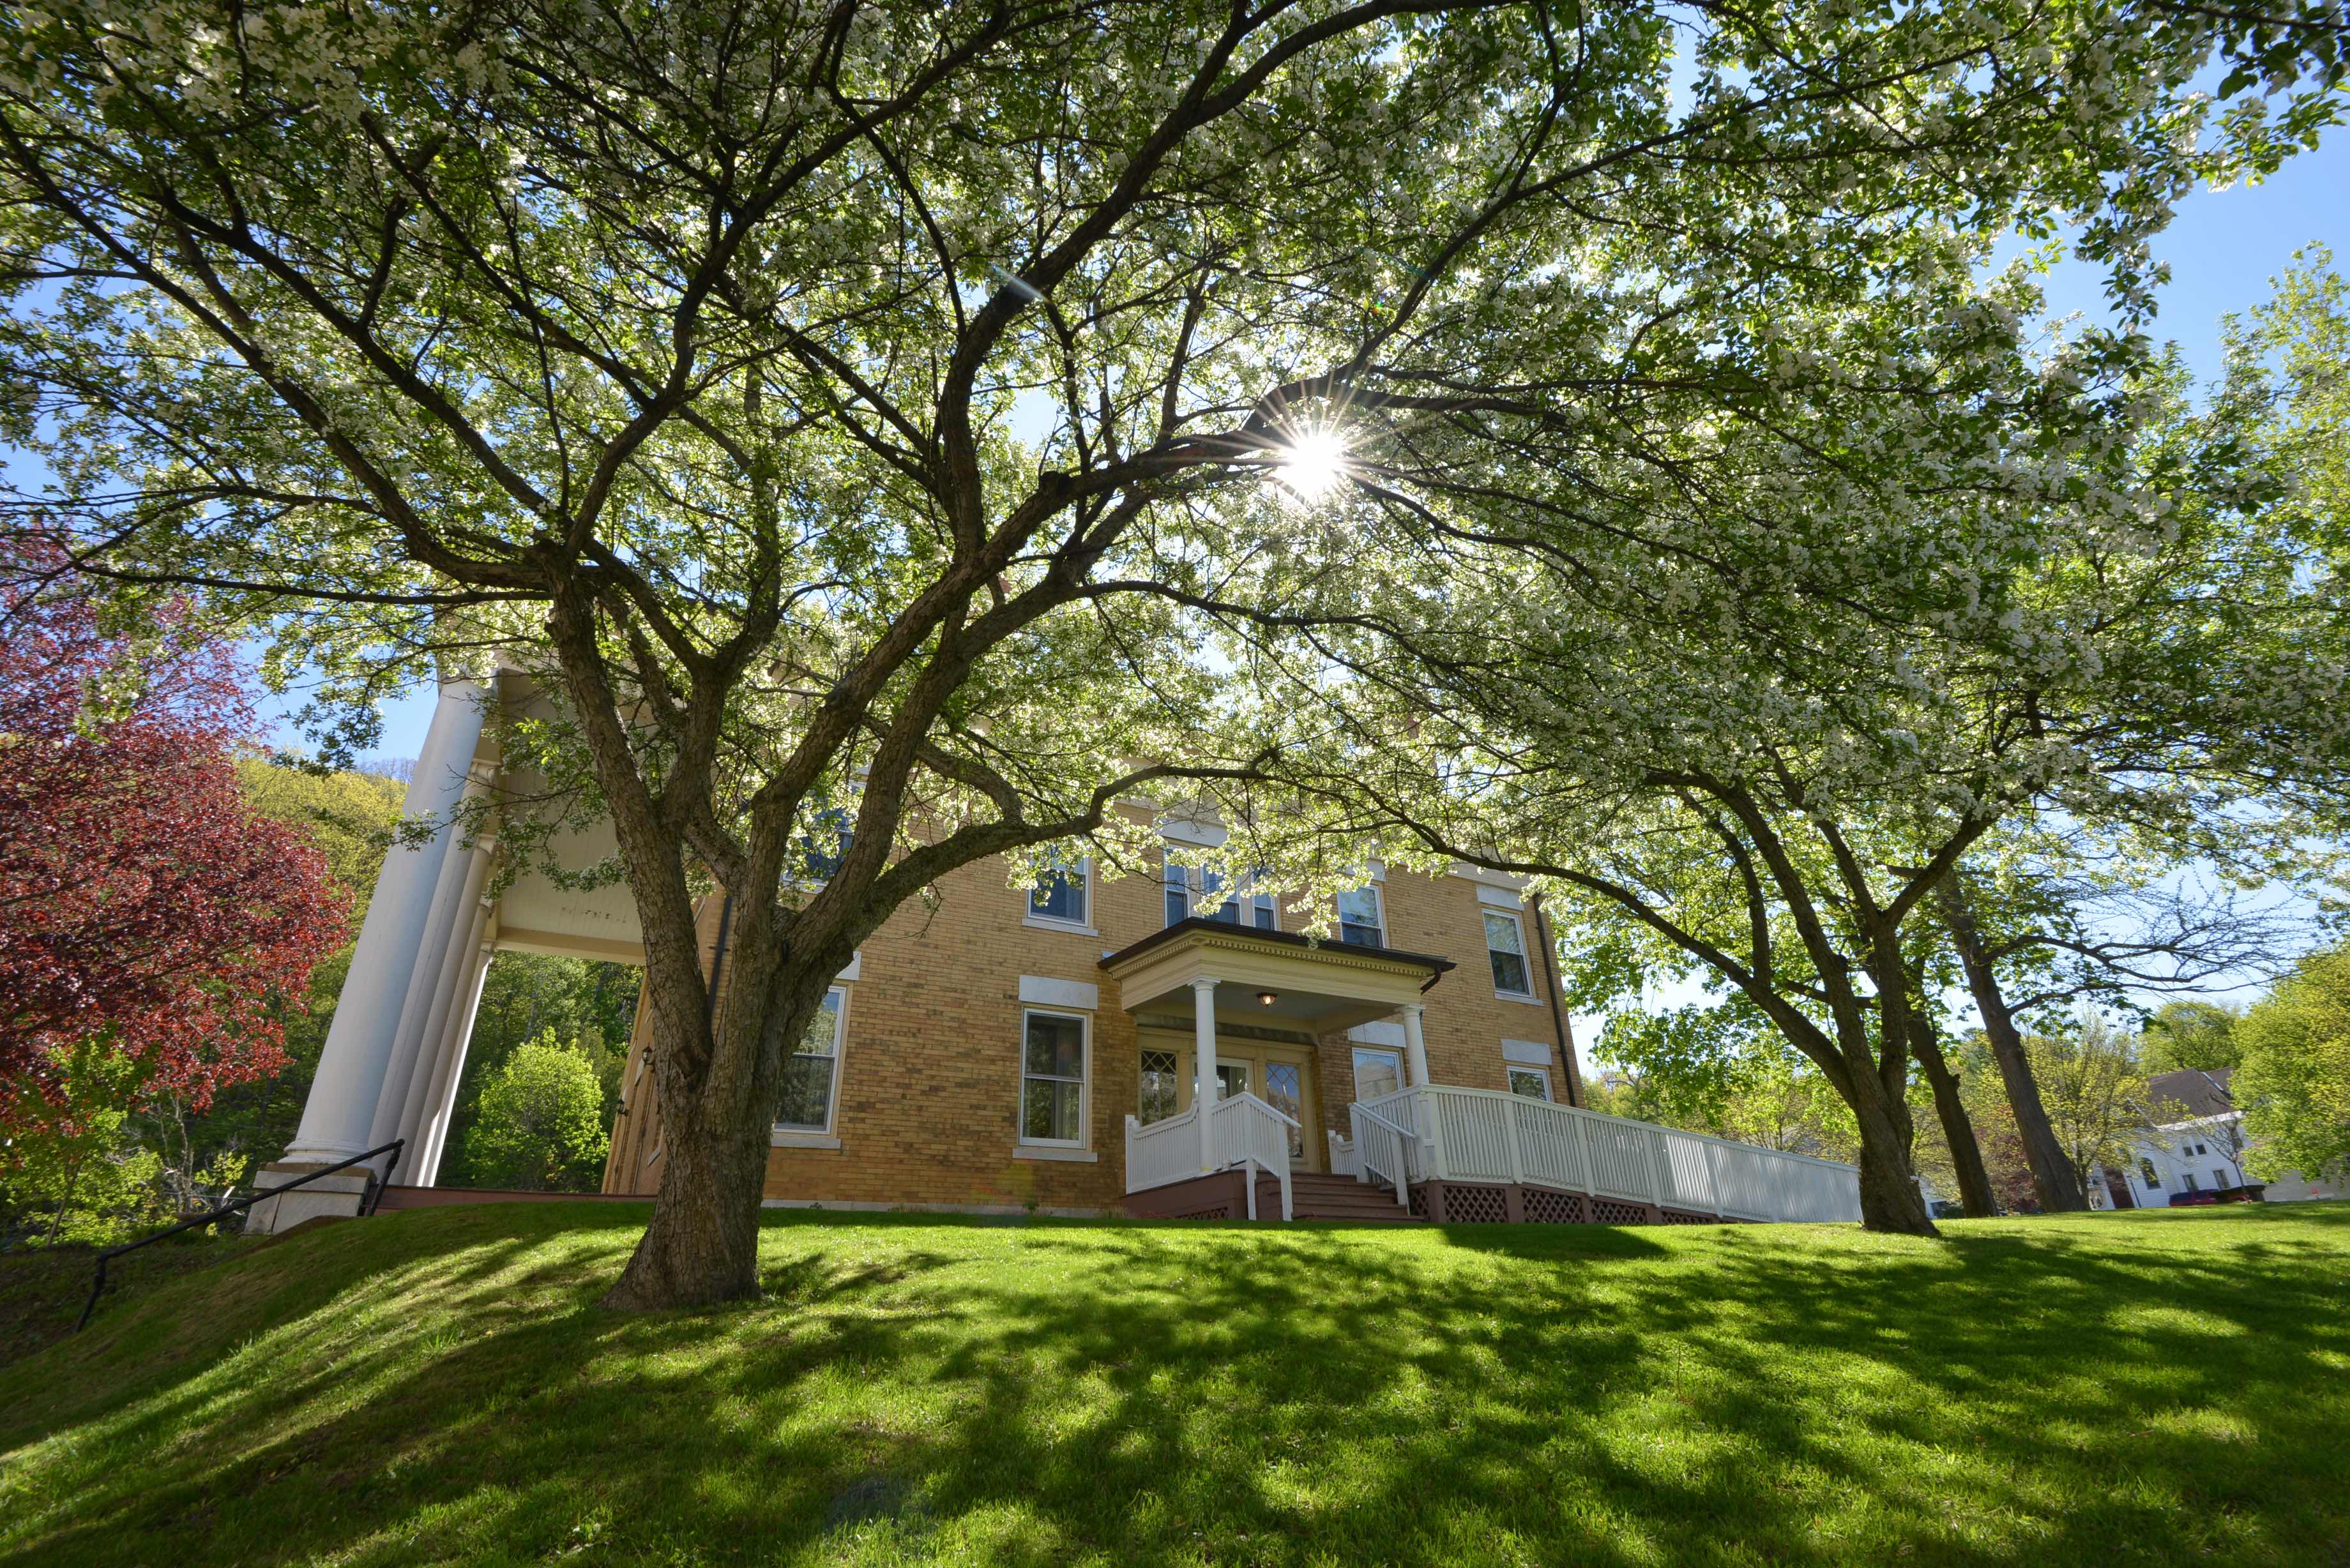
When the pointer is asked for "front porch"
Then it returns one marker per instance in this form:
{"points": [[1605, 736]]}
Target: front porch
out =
{"points": [[1423, 1151]]}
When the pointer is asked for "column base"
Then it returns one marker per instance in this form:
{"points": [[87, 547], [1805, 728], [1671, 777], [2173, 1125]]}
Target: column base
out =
{"points": [[340, 1196]]}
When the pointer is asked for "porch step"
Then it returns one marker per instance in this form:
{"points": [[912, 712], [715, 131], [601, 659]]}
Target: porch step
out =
{"points": [[1342, 1198]]}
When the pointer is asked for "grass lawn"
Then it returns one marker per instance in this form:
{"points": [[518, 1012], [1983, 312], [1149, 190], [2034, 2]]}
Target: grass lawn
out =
{"points": [[437, 1387]]}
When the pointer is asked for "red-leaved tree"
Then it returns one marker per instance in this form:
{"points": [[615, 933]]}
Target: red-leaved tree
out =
{"points": [[143, 904]]}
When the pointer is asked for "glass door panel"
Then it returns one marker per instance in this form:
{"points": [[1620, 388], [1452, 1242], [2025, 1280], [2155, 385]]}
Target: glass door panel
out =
{"points": [[1284, 1091]]}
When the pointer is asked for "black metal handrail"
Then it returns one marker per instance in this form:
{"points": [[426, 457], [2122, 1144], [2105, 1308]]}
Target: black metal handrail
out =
{"points": [[367, 1202]]}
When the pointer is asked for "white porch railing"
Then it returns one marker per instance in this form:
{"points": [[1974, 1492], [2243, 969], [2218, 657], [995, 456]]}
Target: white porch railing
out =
{"points": [[1382, 1151], [1249, 1135], [1485, 1134], [1167, 1150]]}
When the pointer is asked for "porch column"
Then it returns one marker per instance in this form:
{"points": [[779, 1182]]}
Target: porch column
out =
{"points": [[1415, 1048], [1203, 1058], [340, 1110], [448, 997], [440, 959], [441, 1104]]}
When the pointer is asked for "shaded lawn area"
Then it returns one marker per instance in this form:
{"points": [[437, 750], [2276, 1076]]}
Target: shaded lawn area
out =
{"points": [[42, 1288], [437, 1387]]}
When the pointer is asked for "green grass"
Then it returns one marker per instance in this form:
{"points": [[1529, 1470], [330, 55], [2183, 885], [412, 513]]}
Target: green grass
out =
{"points": [[437, 1387]]}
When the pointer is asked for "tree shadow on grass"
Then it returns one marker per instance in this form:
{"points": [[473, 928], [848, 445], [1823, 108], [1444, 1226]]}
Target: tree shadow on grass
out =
{"points": [[1147, 1394]]}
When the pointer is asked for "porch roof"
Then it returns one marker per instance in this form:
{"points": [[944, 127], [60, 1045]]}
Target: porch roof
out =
{"points": [[1322, 986]]}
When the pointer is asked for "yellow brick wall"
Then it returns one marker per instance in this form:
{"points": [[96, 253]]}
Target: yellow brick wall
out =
{"points": [[929, 1067]]}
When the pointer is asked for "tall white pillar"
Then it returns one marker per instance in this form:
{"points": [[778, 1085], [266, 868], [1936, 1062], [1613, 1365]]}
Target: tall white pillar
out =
{"points": [[432, 1132], [441, 952], [1415, 1047], [456, 976], [340, 1110], [1203, 1060]]}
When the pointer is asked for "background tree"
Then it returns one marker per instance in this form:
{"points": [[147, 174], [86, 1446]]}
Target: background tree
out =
{"points": [[2293, 1083], [540, 1125], [2092, 1082], [143, 904], [829, 402], [2192, 1034], [589, 1005]]}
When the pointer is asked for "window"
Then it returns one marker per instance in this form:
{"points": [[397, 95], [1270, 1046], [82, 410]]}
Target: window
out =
{"points": [[1160, 1092], [1377, 1073], [2188, 1177], [1192, 891], [1533, 1083], [1505, 946], [1060, 896], [1053, 1079], [1358, 919], [824, 844], [2219, 1177], [2145, 1168], [814, 1071]]}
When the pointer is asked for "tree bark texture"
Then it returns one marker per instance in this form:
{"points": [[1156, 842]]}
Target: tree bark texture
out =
{"points": [[1975, 1194], [2053, 1179]]}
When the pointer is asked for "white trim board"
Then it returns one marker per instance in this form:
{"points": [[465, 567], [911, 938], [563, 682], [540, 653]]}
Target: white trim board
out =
{"points": [[1043, 991]]}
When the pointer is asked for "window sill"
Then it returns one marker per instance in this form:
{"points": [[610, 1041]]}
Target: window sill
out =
{"points": [[801, 1140], [1037, 923], [1050, 1151], [1513, 996]]}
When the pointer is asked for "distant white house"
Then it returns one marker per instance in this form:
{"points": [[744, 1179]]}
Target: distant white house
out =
{"points": [[2200, 1149]]}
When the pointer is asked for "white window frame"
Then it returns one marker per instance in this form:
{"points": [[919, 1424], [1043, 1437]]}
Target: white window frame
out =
{"points": [[1085, 1081], [1029, 917], [1510, 1069], [785, 1135], [1379, 901], [1524, 955]]}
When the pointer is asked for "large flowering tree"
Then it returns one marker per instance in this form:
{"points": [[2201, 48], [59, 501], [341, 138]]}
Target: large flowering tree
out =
{"points": [[837, 402], [146, 912]]}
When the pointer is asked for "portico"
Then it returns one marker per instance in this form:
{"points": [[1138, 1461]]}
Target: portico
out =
{"points": [[443, 906], [1271, 995]]}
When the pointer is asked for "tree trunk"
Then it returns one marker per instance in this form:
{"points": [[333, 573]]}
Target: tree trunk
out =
{"points": [[2054, 1178], [1889, 1199], [1957, 1128], [702, 1246]]}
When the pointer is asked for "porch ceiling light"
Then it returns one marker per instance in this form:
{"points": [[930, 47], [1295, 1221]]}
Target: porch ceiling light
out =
{"points": [[1268, 997]]}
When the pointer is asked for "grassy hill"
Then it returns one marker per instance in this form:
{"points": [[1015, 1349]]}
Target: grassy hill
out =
{"points": [[436, 1386]]}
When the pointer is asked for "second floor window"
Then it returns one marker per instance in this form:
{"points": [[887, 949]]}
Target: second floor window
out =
{"points": [[1359, 924], [1505, 945], [1060, 896], [1198, 891]]}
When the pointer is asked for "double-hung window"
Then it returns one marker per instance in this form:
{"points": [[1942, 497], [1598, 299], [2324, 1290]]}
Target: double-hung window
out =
{"points": [[812, 1076], [1062, 897], [1360, 923], [1505, 947], [1053, 1079], [1198, 890]]}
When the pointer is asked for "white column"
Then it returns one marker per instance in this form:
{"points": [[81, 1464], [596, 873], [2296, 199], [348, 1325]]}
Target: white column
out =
{"points": [[456, 977], [454, 968], [1203, 1058], [1415, 1047], [432, 1132], [439, 951], [340, 1110]]}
